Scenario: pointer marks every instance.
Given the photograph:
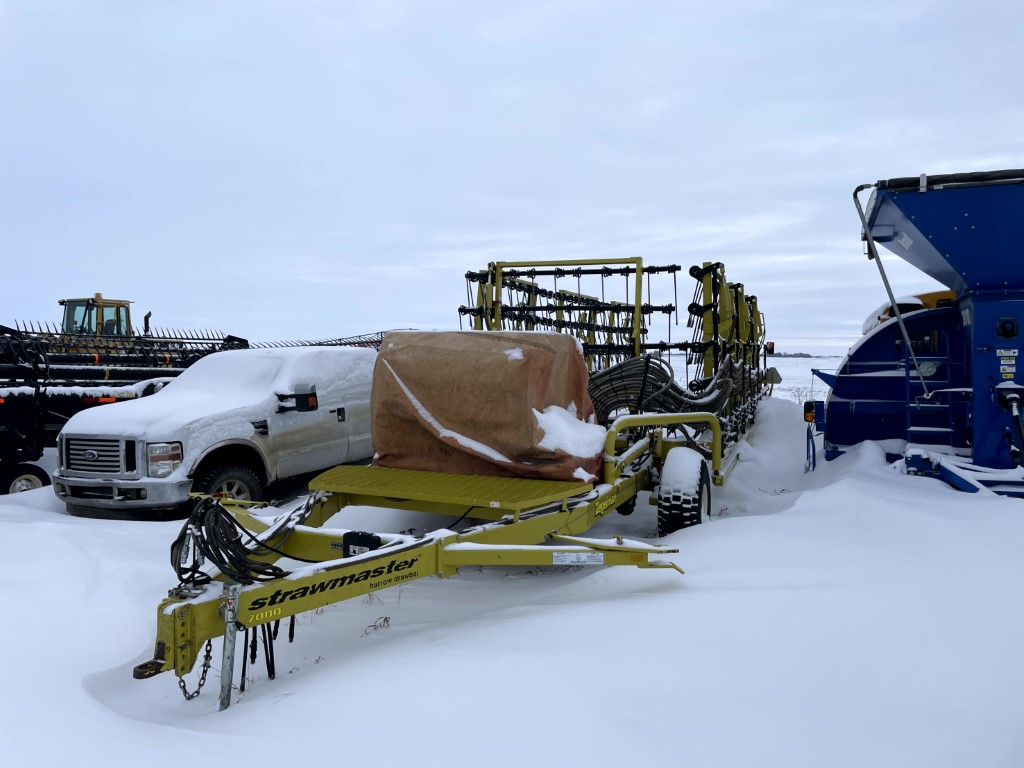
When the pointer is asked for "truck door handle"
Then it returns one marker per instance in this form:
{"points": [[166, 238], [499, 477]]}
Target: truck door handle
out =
{"points": [[341, 413]]}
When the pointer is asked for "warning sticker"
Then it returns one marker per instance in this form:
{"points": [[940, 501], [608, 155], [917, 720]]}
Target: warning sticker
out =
{"points": [[1007, 368], [1006, 352], [1007, 360], [577, 558], [1007, 375]]}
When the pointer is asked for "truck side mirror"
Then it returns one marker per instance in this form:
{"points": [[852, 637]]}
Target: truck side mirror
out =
{"points": [[304, 399]]}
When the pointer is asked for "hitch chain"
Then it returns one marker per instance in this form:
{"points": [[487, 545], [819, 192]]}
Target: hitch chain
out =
{"points": [[202, 675]]}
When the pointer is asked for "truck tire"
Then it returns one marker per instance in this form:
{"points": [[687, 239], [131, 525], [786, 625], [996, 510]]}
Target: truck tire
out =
{"points": [[234, 480], [677, 510], [23, 477]]}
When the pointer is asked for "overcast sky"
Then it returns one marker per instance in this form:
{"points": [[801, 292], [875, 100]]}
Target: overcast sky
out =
{"points": [[304, 169]]}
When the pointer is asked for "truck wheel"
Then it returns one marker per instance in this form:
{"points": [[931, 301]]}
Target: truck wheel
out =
{"points": [[236, 481], [679, 509], [23, 477]]}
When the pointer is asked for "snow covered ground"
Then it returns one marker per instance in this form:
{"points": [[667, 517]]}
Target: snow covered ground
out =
{"points": [[849, 617]]}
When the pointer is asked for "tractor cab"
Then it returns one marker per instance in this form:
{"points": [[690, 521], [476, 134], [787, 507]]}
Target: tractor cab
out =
{"points": [[97, 317]]}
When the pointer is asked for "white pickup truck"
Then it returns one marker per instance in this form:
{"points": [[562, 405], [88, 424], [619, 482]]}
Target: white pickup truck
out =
{"points": [[233, 422]]}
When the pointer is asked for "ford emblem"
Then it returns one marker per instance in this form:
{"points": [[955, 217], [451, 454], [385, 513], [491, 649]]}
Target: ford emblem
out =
{"points": [[90, 455]]}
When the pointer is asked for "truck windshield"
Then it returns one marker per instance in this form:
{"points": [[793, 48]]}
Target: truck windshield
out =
{"points": [[226, 371]]}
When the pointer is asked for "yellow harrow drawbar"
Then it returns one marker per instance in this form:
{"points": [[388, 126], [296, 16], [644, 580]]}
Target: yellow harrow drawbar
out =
{"points": [[524, 523]]}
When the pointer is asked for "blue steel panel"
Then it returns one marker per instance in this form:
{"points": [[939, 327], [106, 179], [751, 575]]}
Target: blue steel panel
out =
{"points": [[986, 314], [968, 238], [872, 396]]}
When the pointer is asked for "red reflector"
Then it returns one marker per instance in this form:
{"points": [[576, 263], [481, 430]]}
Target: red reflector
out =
{"points": [[1, 401], [99, 399]]}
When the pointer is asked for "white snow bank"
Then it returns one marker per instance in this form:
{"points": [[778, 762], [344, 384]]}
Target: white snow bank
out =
{"points": [[848, 617]]}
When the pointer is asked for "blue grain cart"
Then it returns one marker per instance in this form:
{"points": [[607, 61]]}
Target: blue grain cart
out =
{"points": [[940, 385]]}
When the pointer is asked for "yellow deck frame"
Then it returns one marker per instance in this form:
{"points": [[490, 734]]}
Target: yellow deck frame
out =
{"points": [[525, 522]]}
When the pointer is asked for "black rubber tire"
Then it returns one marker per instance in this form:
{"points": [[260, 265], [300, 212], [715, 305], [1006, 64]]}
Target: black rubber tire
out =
{"points": [[677, 511], [627, 507], [23, 477], [237, 481]]}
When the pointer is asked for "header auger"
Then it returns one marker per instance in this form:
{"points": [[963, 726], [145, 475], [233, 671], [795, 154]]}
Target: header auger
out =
{"points": [[466, 400]]}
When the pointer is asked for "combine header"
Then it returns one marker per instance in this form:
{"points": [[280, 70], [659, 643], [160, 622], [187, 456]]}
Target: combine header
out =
{"points": [[939, 385], [521, 441]]}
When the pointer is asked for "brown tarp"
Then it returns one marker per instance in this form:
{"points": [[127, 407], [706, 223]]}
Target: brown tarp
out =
{"points": [[458, 401]]}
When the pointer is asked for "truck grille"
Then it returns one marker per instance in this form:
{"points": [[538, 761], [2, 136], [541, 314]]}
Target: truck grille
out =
{"points": [[93, 455]]}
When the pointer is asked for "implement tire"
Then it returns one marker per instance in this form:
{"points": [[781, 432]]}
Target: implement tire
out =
{"points": [[236, 481], [677, 510]]}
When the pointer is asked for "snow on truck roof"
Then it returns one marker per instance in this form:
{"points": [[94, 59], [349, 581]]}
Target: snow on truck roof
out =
{"points": [[282, 364]]}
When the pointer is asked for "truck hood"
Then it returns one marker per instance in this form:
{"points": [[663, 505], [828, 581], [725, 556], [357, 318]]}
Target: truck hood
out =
{"points": [[159, 417]]}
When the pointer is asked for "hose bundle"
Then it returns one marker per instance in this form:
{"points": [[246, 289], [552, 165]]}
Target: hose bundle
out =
{"points": [[212, 534], [647, 384]]}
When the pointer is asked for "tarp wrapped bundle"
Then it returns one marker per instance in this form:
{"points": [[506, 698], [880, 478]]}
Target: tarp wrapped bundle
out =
{"points": [[485, 403]]}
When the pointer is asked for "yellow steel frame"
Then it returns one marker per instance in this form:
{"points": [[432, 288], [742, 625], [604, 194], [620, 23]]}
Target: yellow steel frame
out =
{"points": [[527, 522], [492, 302]]}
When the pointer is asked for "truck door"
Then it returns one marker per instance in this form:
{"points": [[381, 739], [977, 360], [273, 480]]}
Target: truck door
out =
{"points": [[312, 440], [357, 416]]}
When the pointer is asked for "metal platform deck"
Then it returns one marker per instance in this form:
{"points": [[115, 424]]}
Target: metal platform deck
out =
{"points": [[501, 495]]}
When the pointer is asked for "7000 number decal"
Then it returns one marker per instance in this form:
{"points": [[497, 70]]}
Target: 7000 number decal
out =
{"points": [[263, 616]]}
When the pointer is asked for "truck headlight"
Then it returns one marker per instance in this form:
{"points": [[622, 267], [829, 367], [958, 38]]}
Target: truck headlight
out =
{"points": [[162, 458]]}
